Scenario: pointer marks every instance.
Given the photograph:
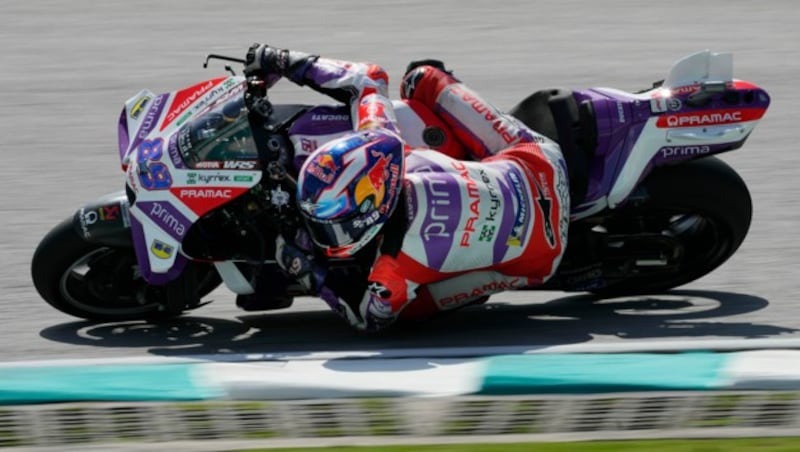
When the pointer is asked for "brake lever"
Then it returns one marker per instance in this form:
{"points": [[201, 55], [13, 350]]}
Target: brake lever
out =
{"points": [[213, 56]]}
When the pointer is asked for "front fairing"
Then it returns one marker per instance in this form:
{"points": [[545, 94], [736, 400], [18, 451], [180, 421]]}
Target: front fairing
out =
{"points": [[187, 153]]}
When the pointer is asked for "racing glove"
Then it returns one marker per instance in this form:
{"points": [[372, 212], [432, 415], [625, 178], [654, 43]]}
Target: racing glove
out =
{"points": [[372, 314], [299, 265], [270, 64]]}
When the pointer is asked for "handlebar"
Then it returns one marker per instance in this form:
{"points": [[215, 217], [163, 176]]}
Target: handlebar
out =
{"points": [[214, 56]]}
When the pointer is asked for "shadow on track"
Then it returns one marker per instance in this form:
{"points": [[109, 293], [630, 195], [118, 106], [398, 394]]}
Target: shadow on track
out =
{"points": [[567, 320]]}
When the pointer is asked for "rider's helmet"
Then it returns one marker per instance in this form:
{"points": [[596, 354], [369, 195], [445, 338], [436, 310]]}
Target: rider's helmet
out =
{"points": [[348, 188]]}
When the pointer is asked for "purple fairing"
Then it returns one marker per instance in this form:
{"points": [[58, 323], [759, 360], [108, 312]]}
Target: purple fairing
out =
{"points": [[148, 124], [620, 120], [324, 120], [122, 134], [142, 258]]}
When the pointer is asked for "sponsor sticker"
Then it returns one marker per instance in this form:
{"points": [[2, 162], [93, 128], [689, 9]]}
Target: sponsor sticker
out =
{"points": [[153, 113], [206, 193], [174, 152], [544, 201], [710, 118], [208, 164], [89, 217], [473, 199], [240, 164], [161, 250], [168, 218], [330, 117], [494, 197], [683, 151], [323, 168], [139, 106], [489, 288], [487, 233], [187, 97], [203, 199], [515, 238], [658, 105], [209, 178], [228, 164]]}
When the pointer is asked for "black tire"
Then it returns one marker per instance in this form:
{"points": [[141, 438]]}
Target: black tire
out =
{"points": [[703, 203], [97, 282]]}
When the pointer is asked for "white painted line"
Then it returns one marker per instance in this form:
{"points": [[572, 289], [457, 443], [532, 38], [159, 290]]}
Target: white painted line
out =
{"points": [[348, 378], [765, 369]]}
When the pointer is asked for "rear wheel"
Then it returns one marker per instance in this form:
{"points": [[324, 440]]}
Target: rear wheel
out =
{"points": [[98, 282], [691, 218]]}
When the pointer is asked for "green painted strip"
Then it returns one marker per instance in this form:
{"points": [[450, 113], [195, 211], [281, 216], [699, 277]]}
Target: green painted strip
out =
{"points": [[103, 382], [592, 373]]}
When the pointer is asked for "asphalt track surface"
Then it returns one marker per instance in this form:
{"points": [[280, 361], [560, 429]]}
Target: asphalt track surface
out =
{"points": [[67, 67]]}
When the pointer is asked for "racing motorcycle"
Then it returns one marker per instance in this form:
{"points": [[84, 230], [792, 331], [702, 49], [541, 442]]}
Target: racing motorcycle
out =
{"points": [[210, 183]]}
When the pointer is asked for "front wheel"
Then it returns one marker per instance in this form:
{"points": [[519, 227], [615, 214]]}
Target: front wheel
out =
{"points": [[692, 216], [98, 282]]}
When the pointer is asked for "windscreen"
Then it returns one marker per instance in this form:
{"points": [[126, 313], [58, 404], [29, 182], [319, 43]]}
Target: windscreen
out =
{"points": [[221, 133]]}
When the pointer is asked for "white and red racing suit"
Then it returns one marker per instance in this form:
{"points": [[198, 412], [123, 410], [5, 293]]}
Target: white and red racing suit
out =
{"points": [[472, 227]]}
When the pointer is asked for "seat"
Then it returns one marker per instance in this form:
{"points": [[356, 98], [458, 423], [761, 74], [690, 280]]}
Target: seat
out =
{"points": [[556, 114]]}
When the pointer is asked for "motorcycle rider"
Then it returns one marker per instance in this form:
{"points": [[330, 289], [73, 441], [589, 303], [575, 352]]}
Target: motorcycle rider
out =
{"points": [[435, 232]]}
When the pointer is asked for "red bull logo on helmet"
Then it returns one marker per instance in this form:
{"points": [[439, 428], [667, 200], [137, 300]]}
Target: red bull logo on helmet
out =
{"points": [[377, 174], [370, 186], [323, 168], [373, 184]]}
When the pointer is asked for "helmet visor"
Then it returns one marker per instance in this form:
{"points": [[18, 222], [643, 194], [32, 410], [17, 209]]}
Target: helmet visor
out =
{"points": [[350, 232]]}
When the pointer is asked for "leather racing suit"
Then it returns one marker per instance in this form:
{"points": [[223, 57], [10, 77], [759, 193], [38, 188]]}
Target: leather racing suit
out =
{"points": [[469, 228]]}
